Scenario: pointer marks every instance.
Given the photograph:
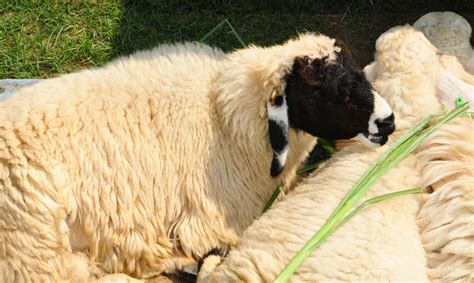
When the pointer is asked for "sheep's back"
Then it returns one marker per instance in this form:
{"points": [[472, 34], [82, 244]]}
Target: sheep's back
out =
{"points": [[380, 243], [446, 215], [105, 143]]}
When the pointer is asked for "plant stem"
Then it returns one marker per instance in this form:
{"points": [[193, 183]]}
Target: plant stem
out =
{"points": [[328, 146], [272, 199], [396, 153], [375, 200], [218, 26], [236, 34]]}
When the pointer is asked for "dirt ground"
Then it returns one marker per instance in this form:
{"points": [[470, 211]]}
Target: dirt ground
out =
{"points": [[41, 40], [358, 22], [362, 41]]}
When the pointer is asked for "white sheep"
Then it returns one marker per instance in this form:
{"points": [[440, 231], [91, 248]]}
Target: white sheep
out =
{"points": [[446, 216], [452, 79], [383, 243], [446, 161], [146, 164], [450, 33]]}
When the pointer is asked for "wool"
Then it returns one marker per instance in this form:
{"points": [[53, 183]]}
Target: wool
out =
{"points": [[399, 239], [436, 78], [365, 249], [143, 165], [445, 218]]}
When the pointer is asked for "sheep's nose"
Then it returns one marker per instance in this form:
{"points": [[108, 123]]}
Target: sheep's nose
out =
{"points": [[386, 126]]}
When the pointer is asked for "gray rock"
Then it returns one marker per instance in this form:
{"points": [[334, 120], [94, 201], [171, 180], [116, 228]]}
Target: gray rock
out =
{"points": [[10, 86]]}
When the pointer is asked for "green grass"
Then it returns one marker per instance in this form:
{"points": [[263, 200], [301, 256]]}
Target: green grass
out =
{"points": [[39, 39]]}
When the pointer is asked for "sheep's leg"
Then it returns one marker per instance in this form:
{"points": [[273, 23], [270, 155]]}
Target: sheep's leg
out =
{"points": [[208, 265], [34, 236], [209, 262]]}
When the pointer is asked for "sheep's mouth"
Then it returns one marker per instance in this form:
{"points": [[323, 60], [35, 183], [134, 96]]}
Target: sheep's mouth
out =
{"points": [[380, 139], [373, 140]]}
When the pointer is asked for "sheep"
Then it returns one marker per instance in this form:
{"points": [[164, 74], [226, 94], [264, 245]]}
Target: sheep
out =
{"points": [[452, 78], [365, 249], [445, 217], [454, 158], [144, 165], [383, 242], [450, 33]]}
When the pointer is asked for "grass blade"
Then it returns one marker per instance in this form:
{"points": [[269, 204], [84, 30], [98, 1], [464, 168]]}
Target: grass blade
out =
{"points": [[377, 162], [396, 153], [218, 26], [236, 34], [272, 199], [328, 146], [375, 200], [282, 277], [308, 167]]}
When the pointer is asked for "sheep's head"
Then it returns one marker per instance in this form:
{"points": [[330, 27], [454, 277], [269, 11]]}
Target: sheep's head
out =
{"points": [[409, 74], [402, 44], [327, 97], [403, 71]]}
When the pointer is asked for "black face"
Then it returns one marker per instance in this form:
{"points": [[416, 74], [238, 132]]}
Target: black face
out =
{"points": [[331, 100]]}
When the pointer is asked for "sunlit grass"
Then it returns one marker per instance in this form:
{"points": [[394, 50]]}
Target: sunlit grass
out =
{"points": [[41, 39]]}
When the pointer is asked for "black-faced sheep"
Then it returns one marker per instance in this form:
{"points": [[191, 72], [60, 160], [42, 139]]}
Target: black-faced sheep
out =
{"points": [[146, 164], [383, 243]]}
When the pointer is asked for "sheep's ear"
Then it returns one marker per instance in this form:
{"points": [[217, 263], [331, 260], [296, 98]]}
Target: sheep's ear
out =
{"points": [[370, 72], [278, 131], [341, 49]]}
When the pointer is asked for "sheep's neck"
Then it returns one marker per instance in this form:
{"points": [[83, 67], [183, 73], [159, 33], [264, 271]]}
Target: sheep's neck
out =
{"points": [[251, 156]]}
